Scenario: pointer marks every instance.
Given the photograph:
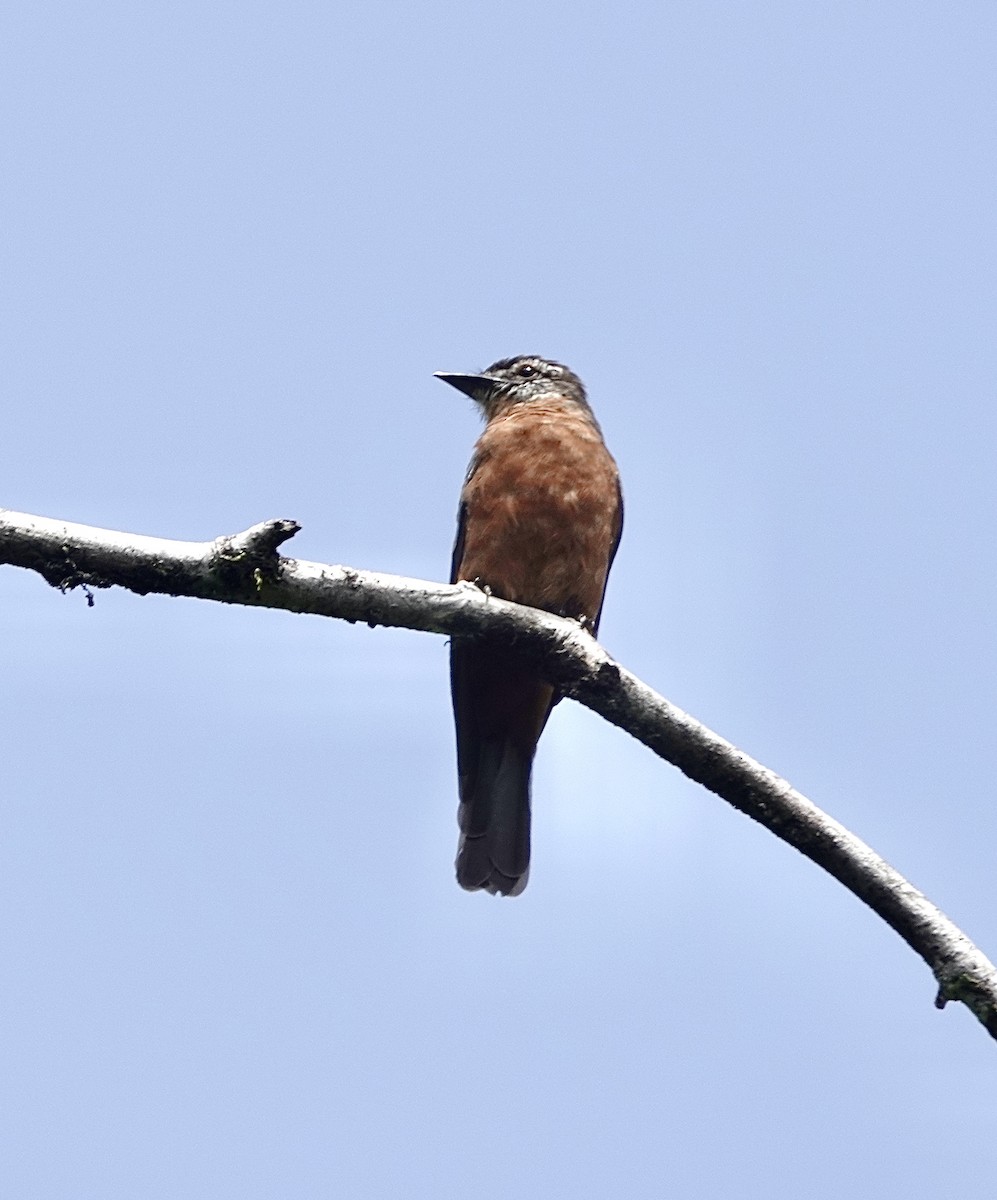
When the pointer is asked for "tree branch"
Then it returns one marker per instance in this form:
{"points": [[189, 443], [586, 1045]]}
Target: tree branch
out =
{"points": [[246, 569]]}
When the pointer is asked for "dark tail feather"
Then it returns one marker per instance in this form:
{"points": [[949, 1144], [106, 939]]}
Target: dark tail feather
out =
{"points": [[494, 818]]}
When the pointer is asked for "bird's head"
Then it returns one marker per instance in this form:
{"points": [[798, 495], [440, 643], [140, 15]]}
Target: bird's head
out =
{"points": [[520, 380]]}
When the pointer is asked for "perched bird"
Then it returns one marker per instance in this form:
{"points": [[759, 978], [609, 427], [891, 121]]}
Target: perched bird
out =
{"points": [[540, 518]]}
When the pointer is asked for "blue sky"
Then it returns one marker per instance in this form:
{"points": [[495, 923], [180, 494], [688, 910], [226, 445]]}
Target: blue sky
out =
{"points": [[237, 241]]}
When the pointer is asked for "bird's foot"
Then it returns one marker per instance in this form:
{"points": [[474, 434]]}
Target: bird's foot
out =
{"points": [[479, 585]]}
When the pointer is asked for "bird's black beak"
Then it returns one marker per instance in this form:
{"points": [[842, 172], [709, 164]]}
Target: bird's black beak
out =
{"points": [[474, 386]]}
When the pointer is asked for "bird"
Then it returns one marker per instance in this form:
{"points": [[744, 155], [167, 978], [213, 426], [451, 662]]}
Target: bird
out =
{"points": [[539, 523]]}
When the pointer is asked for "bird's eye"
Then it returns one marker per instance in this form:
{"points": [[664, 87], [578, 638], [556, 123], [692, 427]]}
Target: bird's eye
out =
{"points": [[526, 371]]}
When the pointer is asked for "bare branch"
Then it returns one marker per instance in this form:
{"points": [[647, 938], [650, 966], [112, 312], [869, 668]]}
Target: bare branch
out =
{"points": [[246, 569]]}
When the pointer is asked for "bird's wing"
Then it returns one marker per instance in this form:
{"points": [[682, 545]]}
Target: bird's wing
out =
{"points": [[458, 546], [612, 553]]}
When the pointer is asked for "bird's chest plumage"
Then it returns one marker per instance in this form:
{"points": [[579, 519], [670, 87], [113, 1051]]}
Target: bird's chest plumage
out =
{"points": [[541, 510]]}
